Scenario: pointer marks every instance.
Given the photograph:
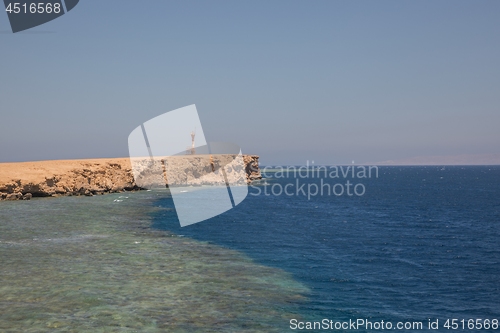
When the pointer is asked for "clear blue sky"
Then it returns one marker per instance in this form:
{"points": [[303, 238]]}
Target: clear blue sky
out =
{"points": [[330, 81]]}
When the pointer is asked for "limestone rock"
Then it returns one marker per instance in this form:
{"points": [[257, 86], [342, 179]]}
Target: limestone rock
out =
{"points": [[14, 196], [22, 181]]}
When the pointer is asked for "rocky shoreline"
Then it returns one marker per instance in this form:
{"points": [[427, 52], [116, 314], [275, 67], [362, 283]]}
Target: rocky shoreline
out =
{"points": [[23, 181]]}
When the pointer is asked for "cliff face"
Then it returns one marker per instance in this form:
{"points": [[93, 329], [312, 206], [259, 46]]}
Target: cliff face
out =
{"points": [[196, 170], [22, 181], [252, 167]]}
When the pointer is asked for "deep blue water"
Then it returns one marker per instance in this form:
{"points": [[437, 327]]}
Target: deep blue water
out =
{"points": [[422, 242]]}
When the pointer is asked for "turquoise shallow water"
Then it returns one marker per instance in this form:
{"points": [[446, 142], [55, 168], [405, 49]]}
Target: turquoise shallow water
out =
{"points": [[79, 264]]}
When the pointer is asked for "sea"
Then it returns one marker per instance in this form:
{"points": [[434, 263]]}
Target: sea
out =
{"points": [[404, 249]]}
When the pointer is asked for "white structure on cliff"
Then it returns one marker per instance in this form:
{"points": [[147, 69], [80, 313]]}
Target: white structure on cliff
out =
{"points": [[192, 150]]}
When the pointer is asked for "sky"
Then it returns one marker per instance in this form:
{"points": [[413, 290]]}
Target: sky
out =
{"points": [[291, 81]]}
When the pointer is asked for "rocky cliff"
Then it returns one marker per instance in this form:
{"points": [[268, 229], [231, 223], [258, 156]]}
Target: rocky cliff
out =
{"points": [[22, 181]]}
